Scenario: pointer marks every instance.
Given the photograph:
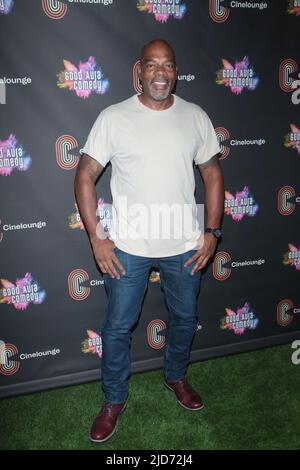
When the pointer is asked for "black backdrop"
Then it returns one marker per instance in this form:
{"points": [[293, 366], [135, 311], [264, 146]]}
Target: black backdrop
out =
{"points": [[52, 298]]}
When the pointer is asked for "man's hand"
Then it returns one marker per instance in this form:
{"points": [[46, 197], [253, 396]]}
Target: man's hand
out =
{"points": [[106, 257], [208, 245]]}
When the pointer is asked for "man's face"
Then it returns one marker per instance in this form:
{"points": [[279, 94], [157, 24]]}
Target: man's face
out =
{"points": [[158, 71]]}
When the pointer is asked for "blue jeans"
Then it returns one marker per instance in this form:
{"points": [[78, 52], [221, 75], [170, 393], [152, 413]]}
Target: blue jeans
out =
{"points": [[125, 296]]}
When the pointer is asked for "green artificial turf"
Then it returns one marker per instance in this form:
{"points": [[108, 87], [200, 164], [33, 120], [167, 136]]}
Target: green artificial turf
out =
{"points": [[251, 401]]}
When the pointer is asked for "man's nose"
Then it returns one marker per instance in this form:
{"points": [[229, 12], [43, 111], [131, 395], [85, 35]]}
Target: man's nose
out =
{"points": [[160, 71]]}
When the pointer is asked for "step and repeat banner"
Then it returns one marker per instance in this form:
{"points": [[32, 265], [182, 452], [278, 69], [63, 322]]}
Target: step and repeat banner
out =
{"points": [[62, 63]]}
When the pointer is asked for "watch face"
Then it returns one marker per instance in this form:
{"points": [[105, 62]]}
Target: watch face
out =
{"points": [[217, 233]]}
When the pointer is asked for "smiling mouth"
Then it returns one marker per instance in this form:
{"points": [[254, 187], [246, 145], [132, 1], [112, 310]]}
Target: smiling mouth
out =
{"points": [[160, 83]]}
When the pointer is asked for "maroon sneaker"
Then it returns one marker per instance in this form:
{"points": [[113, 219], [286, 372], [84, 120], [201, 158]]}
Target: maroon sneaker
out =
{"points": [[105, 423], [186, 395]]}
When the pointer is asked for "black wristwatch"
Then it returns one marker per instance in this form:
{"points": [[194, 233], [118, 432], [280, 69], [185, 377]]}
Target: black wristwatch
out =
{"points": [[217, 232]]}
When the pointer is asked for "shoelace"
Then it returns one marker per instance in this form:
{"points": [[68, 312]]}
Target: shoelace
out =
{"points": [[183, 385], [107, 408]]}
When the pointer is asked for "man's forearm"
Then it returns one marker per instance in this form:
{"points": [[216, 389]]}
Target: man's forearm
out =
{"points": [[214, 199], [86, 197]]}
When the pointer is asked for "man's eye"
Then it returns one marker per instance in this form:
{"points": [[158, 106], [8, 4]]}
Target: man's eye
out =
{"points": [[170, 66], [149, 66]]}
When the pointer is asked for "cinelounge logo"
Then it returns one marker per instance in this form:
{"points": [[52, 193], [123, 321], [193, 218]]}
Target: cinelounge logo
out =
{"points": [[95, 2], [220, 270], [9, 365], [286, 312], [223, 135], [16, 80], [225, 142], [217, 11], [287, 68], [77, 284], [156, 334], [220, 13], [223, 265], [10, 357], [136, 82], [54, 9], [186, 77], [287, 200], [66, 147], [19, 226], [289, 79]]}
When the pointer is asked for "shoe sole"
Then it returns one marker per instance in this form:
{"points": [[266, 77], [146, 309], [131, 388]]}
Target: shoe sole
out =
{"points": [[181, 404], [114, 430]]}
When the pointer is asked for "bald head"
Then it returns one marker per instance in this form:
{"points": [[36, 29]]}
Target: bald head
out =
{"points": [[154, 45]]}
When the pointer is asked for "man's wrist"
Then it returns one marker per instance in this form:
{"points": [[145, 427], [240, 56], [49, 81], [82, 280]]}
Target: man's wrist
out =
{"points": [[216, 232], [96, 239]]}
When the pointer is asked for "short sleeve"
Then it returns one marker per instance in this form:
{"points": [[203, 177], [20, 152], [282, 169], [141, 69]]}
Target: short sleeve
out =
{"points": [[98, 144], [209, 145]]}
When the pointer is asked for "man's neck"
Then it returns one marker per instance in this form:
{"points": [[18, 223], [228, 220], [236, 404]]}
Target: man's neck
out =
{"points": [[156, 105]]}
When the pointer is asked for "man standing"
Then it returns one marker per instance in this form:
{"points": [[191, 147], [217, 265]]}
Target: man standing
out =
{"points": [[152, 141]]}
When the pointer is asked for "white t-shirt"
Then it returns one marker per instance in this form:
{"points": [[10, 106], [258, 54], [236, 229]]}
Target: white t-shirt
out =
{"points": [[154, 212]]}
